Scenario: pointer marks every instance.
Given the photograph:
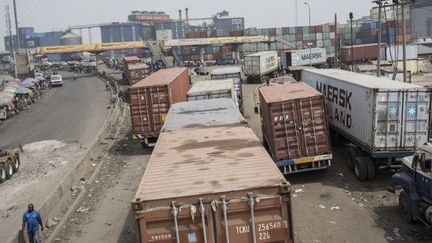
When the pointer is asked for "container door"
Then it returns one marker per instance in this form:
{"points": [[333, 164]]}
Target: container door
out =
{"points": [[388, 115], [270, 221], [416, 119], [159, 106], [139, 110], [286, 130], [160, 226], [314, 127]]}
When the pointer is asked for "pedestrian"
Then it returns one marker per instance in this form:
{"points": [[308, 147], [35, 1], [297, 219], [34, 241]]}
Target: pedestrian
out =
{"points": [[33, 219]]}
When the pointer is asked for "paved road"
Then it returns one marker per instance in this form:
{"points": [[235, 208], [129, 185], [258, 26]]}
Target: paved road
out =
{"points": [[75, 111]]}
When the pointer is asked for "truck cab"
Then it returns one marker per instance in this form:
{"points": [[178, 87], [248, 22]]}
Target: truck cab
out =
{"points": [[415, 180]]}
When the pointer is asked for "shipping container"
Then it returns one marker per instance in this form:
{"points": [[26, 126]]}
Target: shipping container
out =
{"points": [[203, 113], [395, 53], [151, 99], [312, 56], [294, 126], [212, 184], [260, 64], [129, 61], [234, 73], [213, 89], [360, 53], [136, 72], [385, 119]]}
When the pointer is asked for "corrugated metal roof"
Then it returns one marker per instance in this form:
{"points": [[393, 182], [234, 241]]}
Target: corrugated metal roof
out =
{"points": [[225, 70], [363, 80], [190, 162], [161, 77], [203, 87], [70, 35], [289, 91], [202, 113]]}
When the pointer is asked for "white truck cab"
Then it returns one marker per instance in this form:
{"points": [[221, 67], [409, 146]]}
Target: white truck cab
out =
{"points": [[56, 80]]}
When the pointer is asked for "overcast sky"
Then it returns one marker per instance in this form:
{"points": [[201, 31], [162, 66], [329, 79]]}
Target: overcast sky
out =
{"points": [[47, 15]]}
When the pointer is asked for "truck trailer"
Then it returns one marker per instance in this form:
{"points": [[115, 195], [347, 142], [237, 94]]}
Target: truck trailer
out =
{"points": [[295, 128], [385, 120], [259, 65]]}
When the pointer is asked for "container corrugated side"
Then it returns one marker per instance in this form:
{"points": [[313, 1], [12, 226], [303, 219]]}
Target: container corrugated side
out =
{"points": [[261, 63], [150, 104], [377, 114], [294, 121], [204, 174]]}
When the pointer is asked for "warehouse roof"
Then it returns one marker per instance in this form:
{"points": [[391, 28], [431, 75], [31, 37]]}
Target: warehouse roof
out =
{"points": [[359, 79]]}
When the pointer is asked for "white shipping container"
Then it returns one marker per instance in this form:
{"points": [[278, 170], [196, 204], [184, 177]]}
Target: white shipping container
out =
{"points": [[319, 36], [395, 53], [304, 57], [379, 115], [212, 89], [261, 63]]}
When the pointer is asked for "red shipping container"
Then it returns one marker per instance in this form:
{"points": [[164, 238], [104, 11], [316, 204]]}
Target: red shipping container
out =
{"points": [[319, 29], [151, 99], [272, 31], [299, 37]]}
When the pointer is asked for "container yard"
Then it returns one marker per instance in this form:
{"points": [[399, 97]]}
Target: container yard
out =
{"points": [[151, 98], [196, 124], [295, 127], [386, 120]]}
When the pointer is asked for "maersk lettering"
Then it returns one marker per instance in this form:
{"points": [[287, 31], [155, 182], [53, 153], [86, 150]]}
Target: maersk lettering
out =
{"points": [[341, 98], [311, 56]]}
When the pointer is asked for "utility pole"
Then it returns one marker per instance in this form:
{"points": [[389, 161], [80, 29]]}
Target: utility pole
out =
{"points": [[310, 43], [379, 2], [296, 12], [351, 16], [336, 42], [18, 46], [404, 43], [9, 28]]}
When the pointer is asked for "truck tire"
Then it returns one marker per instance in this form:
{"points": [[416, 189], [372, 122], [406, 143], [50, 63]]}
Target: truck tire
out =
{"points": [[16, 163], [360, 168], [350, 158], [370, 168], [2, 173], [405, 206], [9, 168]]}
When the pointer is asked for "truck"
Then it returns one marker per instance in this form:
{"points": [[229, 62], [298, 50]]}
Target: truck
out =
{"points": [[381, 119], [9, 163], [235, 73], [150, 100], [203, 90], [226, 187], [415, 181], [303, 57], [136, 72], [260, 65], [295, 127]]}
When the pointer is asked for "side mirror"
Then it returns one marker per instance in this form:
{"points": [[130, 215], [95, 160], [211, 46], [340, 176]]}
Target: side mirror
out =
{"points": [[256, 109]]}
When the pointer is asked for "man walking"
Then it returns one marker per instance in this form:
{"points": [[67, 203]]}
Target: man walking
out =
{"points": [[33, 220]]}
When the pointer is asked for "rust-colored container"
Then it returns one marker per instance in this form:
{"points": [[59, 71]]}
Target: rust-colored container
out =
{"points": [[151, 98], [129, 61], [212, 184], [360, 53], [136, 72], [294, 127]]}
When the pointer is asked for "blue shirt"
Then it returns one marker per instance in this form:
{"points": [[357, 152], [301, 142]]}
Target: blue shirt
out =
{"points": [[32, 219]]}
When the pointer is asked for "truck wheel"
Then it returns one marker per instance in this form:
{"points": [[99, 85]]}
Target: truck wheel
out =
{"points": [[405, 205], [16, 163], [350, 158], [9, 168], [370, 168], [360, 168], [2, 173]]}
